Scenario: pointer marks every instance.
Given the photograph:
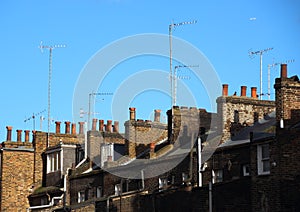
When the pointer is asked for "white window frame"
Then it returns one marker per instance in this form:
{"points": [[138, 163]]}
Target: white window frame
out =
{"points": [[54, 161], [99, 192], [245, 171], [262, 159], [118, 189], [217, 176], [81, 196]]}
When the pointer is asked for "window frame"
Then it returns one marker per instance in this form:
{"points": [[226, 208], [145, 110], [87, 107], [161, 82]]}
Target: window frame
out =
{"points": [[54, 161], [261, 160]]}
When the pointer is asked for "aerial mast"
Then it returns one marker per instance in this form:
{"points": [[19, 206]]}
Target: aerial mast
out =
{"points": [[172, 80], [49, 80], [260, 53]]}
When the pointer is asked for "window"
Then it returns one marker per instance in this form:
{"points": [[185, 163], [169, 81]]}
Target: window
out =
{"points": [[263, 159], [246, 170], [162, 183], [236, 118], [118, 189], [99, 191], [185, 177], [81, 196], [53, 162], [217, 176]]}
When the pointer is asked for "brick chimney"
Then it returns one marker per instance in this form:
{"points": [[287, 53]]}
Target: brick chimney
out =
{"points": [[225, 90], [94, 124], [253, 92], [116, 126], [67, 129], [57, 127], [157, 115], [81, 125], [9, 129], [73, 129], [283, 71], [132, 113], [19, 135], [243, 90], [101, 125], [109, 126], [26, 135]]}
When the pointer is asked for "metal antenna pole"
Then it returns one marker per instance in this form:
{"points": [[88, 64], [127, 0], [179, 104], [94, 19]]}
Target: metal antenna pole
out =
{"points": [[172, 80], [260, 52], [49, 81], [89, 113], [175, 78]]}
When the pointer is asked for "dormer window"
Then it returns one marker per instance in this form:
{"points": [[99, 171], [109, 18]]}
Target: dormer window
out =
{"points": [[54, 161]]}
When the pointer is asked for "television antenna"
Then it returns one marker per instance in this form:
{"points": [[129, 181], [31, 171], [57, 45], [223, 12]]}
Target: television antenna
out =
{"points": [[51, 48], [33, 118], [175, 79], [269, 74], [171, 26], [260, 53], [90, 96]]}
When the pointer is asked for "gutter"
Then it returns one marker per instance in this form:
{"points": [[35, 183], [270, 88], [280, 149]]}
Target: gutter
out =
{"points": [[53, 198]]}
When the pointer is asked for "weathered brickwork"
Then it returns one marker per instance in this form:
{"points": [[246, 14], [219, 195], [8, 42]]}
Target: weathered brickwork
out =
{"points": [[242, 111], [16, 178]]}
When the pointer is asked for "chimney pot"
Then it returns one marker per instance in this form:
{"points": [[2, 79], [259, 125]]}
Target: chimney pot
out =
{"points": [[225, 90], [81, 125], [19, 135], [101, 125], [73, 128], [94, 124], [67, 129], [157, 115], [132, 113], [243, 90], [26, 135], [253, 92], [116, 126], [9, 129], [57, 127], [283, 70], [109, 126]]}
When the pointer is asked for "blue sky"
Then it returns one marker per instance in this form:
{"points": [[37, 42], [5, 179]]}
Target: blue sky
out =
{"points": [[224, 33]]}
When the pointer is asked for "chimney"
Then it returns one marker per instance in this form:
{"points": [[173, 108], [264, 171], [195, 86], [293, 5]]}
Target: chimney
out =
{"points": [[157, 115], [101, 125], [116, 126], [108, 125], [26, 135], [81, 125], [94, 124], [132, 113], [243, 90], [19, 135], [73, 128], [9, 129], [253, 92], [57, 128], [225, 90], [67, 129], [283, 71]]}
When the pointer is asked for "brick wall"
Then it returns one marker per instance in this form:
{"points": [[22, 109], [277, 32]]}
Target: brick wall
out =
{"points": [[16, 179], [248, 110]]}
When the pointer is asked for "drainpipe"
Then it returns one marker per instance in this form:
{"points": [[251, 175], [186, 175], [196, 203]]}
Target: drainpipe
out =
{"points": [[45, 206], [54, 198], [199, 163]]}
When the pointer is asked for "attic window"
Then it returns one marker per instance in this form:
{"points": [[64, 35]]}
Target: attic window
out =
{"points": [[54, 161]]}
